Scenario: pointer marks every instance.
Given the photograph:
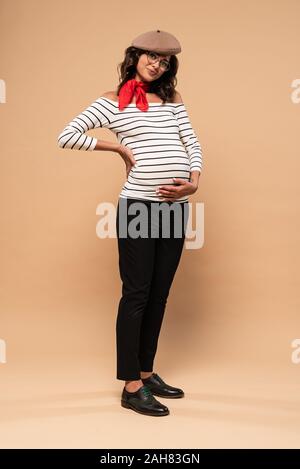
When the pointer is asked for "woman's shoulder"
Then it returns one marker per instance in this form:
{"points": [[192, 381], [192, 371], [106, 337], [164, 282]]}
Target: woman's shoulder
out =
{"points": [[110, 95], [177, 98]]}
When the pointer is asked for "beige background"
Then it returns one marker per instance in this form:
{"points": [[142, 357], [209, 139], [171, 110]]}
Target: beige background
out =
{"points": [[233, 310]]}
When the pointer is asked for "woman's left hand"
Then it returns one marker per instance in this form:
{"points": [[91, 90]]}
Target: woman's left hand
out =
{"points": [[170, 193]]}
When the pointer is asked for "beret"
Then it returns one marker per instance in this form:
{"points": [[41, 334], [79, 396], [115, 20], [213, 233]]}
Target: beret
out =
{"points": [[158, 41]]}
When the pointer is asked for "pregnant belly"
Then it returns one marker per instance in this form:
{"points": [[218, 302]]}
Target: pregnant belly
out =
{"points": [[159, 173]]}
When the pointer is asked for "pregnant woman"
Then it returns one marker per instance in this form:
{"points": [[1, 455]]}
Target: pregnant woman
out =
{"points": [[163, 160]]}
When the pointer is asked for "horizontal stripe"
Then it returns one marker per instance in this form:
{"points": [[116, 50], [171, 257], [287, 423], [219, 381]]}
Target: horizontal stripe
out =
{"points": [[162, 140]]}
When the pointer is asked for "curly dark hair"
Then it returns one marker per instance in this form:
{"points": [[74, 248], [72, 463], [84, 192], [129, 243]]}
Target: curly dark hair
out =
{"points": [[164, 86]]}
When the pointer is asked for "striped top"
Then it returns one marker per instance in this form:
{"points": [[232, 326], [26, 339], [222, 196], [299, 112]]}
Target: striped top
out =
{"points": [[162, 141]]}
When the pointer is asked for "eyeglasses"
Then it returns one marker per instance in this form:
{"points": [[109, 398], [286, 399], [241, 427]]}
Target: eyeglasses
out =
{"points": [[153, 57]]}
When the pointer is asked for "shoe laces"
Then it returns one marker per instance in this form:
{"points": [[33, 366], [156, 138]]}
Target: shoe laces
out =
{"points": [[146, 391]]}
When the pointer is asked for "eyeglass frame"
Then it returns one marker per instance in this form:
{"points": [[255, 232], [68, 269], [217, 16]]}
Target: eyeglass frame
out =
{"points": [[152, 52]]}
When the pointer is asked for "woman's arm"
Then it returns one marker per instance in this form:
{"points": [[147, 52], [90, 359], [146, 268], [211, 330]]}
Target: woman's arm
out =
{"points": [[189, 139], [96, 115], [194, 178]]}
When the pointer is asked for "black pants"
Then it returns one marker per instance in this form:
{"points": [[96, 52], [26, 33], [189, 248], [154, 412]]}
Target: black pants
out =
{"points": [[147, 265]]}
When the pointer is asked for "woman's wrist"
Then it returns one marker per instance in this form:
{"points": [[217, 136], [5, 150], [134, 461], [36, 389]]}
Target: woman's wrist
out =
{"points": [[194, 179], [107, 146]]}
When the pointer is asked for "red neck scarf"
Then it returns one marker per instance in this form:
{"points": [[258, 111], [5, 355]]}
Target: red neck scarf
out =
{"points": [[129, 89]]}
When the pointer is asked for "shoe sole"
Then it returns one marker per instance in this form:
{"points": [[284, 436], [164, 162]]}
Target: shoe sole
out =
{"points": [[167, 397], [128, 406]]}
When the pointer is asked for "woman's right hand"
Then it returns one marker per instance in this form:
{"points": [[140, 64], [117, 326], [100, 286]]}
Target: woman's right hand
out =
{"points": [[127, 155]]}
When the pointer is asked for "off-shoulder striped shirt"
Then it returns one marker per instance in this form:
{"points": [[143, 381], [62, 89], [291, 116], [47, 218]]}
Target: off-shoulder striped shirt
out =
{"points": [[162, 140]]}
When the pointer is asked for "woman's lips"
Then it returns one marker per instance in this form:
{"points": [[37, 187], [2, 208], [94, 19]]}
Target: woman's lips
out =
{"points": [[152, 73]]}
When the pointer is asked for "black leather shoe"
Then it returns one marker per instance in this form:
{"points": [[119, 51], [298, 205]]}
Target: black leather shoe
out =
{"points": [[159, 388], [143, 401]]}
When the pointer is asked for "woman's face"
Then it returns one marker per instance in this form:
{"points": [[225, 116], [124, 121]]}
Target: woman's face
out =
{"points": [[147, 71]]}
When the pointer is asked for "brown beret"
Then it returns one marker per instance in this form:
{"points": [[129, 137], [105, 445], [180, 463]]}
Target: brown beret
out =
{"points": [[158, 41]]}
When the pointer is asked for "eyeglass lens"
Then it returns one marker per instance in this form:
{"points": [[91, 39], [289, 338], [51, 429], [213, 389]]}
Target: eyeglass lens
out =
{"points": [[163, 63]]}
